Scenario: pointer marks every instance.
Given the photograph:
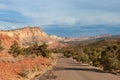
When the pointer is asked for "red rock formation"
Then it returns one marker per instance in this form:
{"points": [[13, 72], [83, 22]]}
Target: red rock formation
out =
{"points": [[26, 36], [7, 41]]}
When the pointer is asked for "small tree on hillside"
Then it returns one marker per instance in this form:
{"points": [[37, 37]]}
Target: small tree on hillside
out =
{"points": [[1, 48], [15, 49], [43, 50]]}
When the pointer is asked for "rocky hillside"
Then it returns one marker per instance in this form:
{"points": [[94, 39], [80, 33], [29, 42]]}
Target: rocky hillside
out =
{"points": [[26, 36], [83, 38]]}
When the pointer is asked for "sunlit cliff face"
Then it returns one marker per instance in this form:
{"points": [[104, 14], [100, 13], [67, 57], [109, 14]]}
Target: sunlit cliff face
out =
{"points": [[26, 36]]}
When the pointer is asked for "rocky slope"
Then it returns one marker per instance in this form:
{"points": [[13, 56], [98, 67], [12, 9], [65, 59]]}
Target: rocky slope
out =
{"points": [[86, 38], [23, 68], [26, 36]]}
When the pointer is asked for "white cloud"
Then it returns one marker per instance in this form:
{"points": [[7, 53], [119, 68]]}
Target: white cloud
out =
{"points": [[67, 11], [2, 6]]}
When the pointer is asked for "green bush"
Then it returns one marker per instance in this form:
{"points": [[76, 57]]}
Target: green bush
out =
{"points": [[42, 50], [15, 49], [68, 53], [78, 58], [84, 58], [96, 63], [110, 59]]}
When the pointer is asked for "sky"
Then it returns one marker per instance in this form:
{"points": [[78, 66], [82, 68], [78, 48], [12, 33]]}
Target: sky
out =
{"points": [[62, 17]]}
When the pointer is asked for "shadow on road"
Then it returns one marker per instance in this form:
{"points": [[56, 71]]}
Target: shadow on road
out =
{"points": [[85, 69], [76, 64], [79, 69]]}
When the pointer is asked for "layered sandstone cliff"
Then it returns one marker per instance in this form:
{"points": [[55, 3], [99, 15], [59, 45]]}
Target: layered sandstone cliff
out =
{"points": [[26, 36]]}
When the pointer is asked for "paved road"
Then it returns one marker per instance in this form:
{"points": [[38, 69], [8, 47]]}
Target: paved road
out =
{"points": [[68, 69]]}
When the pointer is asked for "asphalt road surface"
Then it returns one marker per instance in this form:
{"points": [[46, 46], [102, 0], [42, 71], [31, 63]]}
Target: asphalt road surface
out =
{"points": [[68, 69]]}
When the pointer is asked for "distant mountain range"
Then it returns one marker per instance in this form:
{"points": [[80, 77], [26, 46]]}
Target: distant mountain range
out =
{"points": [[81, 30], [86, 38]]}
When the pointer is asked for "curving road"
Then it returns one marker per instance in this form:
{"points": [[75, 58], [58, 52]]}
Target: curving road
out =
{"points": [[68, 69]]}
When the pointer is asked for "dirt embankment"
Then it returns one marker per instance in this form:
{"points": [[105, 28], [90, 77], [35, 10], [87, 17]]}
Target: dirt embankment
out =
{"points": [[24, 68]]}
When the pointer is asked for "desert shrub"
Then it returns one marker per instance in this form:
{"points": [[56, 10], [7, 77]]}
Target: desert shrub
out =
{"points": [[1, 48], [68, 53], [96, 63], [42, 50], [84, 58], [110, 57], [78, 58], [36, 68], [15, 49], [27, 51], [24, 73]]}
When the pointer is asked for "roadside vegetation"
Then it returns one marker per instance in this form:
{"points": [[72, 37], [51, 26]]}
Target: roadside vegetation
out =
{"points": [[103, 53], [37, 50], [25, 63]]}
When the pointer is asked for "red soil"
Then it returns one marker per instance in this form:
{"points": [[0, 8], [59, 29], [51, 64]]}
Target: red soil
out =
{"points": [[7, 41], [10, 71]]}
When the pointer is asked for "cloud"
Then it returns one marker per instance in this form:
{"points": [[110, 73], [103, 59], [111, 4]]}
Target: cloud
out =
{"points": [[66, 11], [7, 27], [2, 6], [63, 14], [13, 17]]}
